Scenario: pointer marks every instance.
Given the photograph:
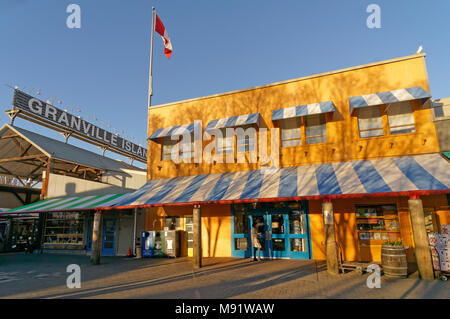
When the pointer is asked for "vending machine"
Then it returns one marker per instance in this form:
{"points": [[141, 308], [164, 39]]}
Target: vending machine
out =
{"points": [[172, 243], [148, 243], [159, 248]]}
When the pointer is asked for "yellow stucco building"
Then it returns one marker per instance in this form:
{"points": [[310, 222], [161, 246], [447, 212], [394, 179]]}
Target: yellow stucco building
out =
{"points": [[360, 138]]}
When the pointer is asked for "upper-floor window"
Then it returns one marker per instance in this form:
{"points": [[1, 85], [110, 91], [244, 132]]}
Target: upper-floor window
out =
{"points": [[315, 129], [247, 141], [187, 146], [182, 149], [400, 117], [290, 132], [168, 146], [224, 143], [370, 121]]}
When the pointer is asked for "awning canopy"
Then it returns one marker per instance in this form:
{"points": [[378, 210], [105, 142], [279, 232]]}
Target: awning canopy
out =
{"points": [[233, 121], [172, 131], [387, 175], [303, 110], [67, 204], [408, 94]]}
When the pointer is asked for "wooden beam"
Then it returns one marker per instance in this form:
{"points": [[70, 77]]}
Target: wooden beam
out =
{"points": [[26, 150], [14, 175], [17, 159], [197, 225], [330, 238], [10, 136], [422, 248]]}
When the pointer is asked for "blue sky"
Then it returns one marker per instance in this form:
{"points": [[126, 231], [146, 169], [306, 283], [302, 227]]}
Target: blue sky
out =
{"points": [[219, 46]]}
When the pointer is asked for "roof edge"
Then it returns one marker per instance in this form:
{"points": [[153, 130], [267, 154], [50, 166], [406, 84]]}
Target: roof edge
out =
{"points": [[362, 66]]}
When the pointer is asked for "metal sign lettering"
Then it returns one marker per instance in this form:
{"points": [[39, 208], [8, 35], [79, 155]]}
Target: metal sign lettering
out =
{"points": [[80, 128]]}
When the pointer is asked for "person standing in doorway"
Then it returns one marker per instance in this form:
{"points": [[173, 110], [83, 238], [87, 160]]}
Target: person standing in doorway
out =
{"points": [[255, 241]]}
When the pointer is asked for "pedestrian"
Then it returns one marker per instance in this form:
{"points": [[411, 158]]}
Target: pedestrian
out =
{"points": [[255, 242]]}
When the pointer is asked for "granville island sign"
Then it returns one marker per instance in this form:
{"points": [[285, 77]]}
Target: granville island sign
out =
{"points": [[53, 117]]}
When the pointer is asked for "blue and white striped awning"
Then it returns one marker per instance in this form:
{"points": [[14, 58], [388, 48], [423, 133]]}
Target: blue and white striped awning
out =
{"points": [[408, 94], [233, 121], [303, 110], [401, 174], [172, 131], [66, 204]]}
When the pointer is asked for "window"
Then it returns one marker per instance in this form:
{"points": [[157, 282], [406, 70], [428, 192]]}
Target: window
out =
{"points": [[370, 121], [247, 143], [167, 148], [316, 129], [64, 228], [241, 222], [377, 224], [290, 132], [189, 228], [224, 144], [401, 119], [187, 146]]}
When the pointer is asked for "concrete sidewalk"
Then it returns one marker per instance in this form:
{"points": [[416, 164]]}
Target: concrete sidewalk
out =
{"points": [[44, 276]]}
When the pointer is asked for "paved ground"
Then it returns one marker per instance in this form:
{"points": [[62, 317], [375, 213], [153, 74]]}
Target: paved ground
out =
{"points": [[44, 276]]}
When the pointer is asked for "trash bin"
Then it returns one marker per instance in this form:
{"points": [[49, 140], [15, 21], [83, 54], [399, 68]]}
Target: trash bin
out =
{"points": [[148, 243], [158, 249], [138, 248]]}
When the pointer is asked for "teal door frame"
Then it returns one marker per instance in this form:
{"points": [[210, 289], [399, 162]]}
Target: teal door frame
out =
{"points": [[109, 237], [268, 212], [105, 250]]}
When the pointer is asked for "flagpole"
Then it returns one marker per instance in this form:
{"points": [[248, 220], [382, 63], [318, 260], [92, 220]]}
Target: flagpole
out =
{"points": [[150, 79]]}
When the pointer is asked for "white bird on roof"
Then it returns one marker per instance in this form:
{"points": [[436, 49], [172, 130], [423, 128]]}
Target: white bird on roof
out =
{"points": [[419, 50]]}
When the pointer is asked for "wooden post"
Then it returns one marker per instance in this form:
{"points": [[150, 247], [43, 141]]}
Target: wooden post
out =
{"points": [[197, 225], [422, 248], [96, 238], [330, 238]]}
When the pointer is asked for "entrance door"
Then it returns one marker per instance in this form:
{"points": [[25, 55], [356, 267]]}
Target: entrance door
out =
{"points": [[287, 223], [298, 239], [260, 220], [279, 231], [109, 232]]}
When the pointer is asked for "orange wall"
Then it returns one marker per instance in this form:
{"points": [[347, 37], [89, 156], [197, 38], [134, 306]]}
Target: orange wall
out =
{"points": [[343, 143], [216, 227], [345, 223]]}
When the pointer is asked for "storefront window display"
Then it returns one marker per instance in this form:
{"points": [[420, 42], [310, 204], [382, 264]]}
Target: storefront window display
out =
{"points": [[377, 224], [64, 228]]}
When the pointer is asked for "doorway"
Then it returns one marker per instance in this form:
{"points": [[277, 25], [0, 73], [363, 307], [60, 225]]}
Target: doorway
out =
{"points": [[108, 236], [287, 224]]}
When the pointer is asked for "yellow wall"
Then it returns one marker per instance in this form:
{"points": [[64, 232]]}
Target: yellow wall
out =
{"points": [[216, 227], [343, 143], [346, 232]]}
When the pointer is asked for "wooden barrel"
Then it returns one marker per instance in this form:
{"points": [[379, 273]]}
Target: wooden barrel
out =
{"points": [[394, 262]]}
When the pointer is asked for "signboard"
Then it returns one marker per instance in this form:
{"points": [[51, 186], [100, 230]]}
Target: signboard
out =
{"points": [[76, 126]]}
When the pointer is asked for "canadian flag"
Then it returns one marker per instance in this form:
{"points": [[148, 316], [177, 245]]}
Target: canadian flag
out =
{"points": [[159, 27]]}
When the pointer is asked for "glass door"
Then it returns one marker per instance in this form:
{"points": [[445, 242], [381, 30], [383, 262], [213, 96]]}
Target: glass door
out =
{"points": [[109, 232], [89, 236], [240, 246], [298, 234], [260, 220], [278, 228]]}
